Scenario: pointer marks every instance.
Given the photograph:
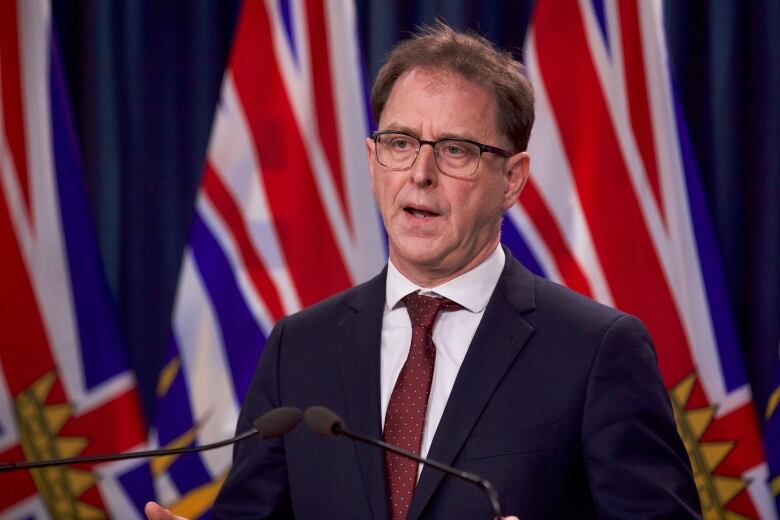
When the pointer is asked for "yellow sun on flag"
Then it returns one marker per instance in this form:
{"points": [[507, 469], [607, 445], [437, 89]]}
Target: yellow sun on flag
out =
{"points": [[715, 491], [39, 431]]}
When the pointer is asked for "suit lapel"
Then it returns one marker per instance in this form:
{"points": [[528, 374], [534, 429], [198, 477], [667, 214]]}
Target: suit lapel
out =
{"points": [[359, 335], [500, 337]]}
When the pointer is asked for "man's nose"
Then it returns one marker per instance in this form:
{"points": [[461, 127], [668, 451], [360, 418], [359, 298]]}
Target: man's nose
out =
{"points": [[424, 170]]}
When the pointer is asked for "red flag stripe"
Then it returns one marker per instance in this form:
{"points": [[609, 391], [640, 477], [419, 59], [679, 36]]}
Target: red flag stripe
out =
{"points": [[742, 504], [548, 228], [301, 221], [738, 426], [20, 317], [16, 485], [636, 87], [124, 431], [10, 79], [231, 215], [623, 244], [322, 87]]}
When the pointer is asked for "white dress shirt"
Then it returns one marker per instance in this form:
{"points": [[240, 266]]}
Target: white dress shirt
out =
{"points": [[452, 332]]}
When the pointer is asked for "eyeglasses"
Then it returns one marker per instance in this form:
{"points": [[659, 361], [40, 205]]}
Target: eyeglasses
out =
{"points": [[454, 156]]}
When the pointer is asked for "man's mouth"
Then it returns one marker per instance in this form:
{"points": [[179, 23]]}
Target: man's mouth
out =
{"points": [[420, 213]]}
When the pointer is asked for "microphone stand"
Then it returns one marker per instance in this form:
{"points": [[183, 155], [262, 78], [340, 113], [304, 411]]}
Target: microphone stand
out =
{"points": [[273, 423], [486, 486], [124, 456]]}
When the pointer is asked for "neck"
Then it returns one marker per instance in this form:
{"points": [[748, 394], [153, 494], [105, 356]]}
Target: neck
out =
{"points": [[429, 277]]}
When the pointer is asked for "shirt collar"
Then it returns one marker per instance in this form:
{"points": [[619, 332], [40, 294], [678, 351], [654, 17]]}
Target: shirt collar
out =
{"points": [[472, 289]]}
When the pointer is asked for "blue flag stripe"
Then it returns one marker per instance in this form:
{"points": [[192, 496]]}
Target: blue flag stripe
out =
{"points": [[287, 18], [242, 338], [724, 328], [598, 10], [175, 419], [517, 244], [138, 484], [174, 412], [101, 346], [188, 473]]}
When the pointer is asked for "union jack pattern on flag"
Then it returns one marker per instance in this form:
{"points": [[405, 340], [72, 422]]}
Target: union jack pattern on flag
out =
{"points": [[65, 387], [284, 217], [615, 210]]}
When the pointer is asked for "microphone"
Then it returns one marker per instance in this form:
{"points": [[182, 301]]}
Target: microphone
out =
{"points": [[271, 424], [325, 422]]}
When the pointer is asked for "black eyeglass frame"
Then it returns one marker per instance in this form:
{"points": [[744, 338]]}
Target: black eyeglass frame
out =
{"points": [[482, 149]]}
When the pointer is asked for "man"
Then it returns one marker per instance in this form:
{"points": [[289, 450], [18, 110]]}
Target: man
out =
{"points": [[554, 398]]}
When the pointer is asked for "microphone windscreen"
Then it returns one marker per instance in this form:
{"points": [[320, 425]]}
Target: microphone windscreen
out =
{"points": [[323, 421], [277, 422]]}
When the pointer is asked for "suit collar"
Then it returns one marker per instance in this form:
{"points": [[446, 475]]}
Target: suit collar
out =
{"points": [[359, 336], [517, 284], [499, 339]]}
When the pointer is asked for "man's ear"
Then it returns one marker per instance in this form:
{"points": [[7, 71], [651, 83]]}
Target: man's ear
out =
{"points": [[517, 169]]}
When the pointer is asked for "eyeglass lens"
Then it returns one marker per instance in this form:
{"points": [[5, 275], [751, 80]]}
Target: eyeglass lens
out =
{"points": [[453, 157]]}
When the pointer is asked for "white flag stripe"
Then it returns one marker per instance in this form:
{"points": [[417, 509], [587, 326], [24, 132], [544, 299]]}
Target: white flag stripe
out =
{"points": [[13, 191], [530, 234], [47, 258], [235, 160], [684, 271], [207, 372], [9, 432], [367, 246], [672, 253], [253, 299], [612, 80], [733, 400], [115, 496], [165, 488], [612, 77], [555, 184], [305, 115], [687, 282], [760, 492], [33, 507]]}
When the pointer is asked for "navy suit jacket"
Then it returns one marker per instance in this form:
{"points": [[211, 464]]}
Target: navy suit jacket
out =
{"points": [[559, 403]]}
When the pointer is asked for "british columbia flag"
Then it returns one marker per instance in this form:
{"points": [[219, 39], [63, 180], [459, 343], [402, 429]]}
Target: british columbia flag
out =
{"points": [[65, 387], [615, 210], [284, 217]]}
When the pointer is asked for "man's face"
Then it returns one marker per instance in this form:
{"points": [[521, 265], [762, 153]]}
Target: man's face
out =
{"points": [[441, 226]]}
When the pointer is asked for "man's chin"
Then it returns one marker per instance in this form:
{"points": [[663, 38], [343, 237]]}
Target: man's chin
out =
{"points": [[415, 249], [422, 256]]}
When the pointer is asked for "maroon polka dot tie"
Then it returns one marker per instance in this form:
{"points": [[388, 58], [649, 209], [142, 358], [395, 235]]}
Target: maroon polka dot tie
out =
{"points": [[405, 414]]}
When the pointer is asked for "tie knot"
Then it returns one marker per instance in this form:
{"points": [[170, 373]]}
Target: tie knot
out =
{"points": [[424, 309]]}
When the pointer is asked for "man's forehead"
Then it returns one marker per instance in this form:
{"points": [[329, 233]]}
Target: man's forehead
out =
{"points": [[427, 83]]}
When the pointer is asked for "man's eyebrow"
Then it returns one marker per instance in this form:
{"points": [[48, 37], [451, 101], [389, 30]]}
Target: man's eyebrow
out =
{"points": [[446, 135], [450, 135], [399, 128]]}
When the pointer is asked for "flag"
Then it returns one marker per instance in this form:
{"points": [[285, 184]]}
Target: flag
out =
{"points": [[65, 387], [615, 210], [284, 218]]}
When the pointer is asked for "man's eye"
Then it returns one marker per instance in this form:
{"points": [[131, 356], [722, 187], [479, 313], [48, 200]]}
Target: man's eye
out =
{"points": [[400, 144], [454, 150]]}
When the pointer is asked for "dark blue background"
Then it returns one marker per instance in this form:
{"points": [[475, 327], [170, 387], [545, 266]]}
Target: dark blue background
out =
{"points": [[144, 78]]}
